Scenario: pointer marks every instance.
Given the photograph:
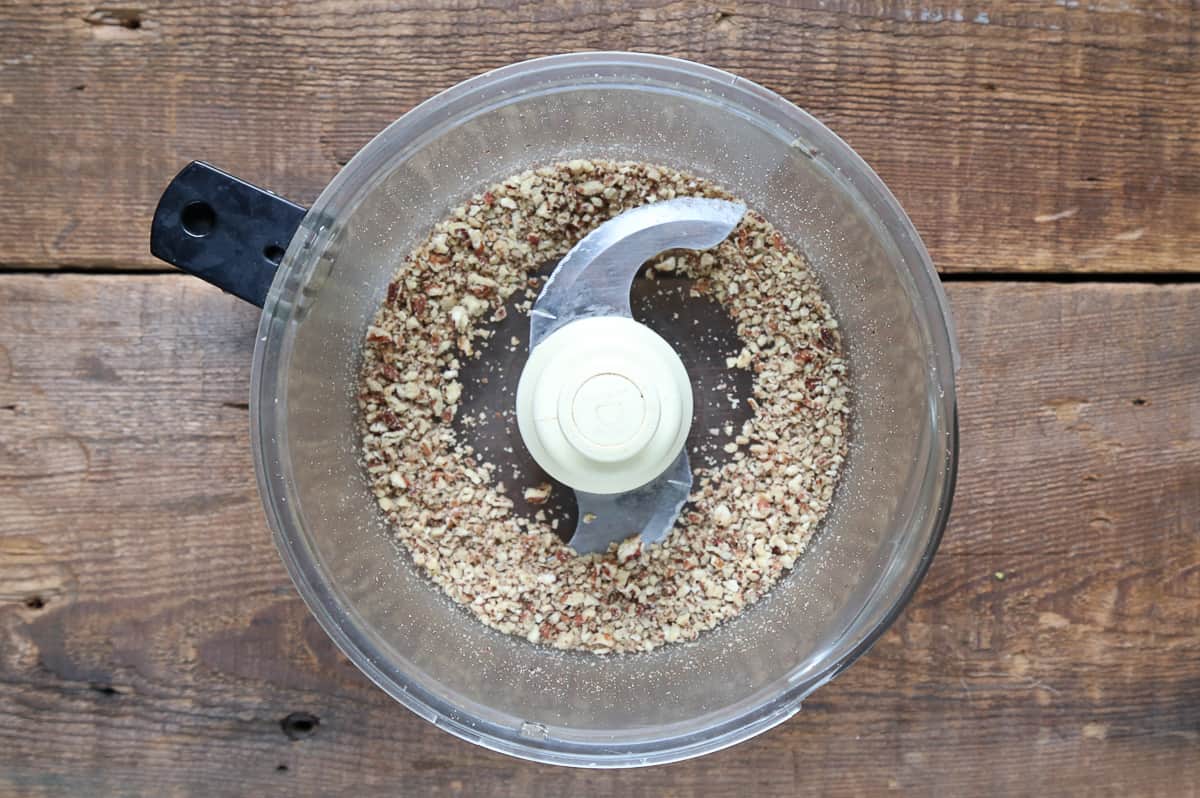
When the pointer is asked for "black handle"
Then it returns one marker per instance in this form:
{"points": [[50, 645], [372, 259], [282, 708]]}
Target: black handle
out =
{"points": [[223, 230]]}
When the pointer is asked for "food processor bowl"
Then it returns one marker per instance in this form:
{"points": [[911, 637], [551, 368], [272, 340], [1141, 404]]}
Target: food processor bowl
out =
{"points": [[681, 700]]}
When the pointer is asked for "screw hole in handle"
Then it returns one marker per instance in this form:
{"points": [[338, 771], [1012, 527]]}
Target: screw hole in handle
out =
{"points": [[198, 219], [273, 253], [223, 230]]}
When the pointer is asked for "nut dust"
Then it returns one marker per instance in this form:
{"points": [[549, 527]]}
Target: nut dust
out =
{"points": [[748, 518]]}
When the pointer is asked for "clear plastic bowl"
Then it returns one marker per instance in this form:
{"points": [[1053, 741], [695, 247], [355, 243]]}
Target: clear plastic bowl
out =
{"points": [[681, 700]]}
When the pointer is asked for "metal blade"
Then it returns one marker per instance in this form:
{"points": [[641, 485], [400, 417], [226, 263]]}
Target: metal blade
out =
{"points": [[650, 510], [595, 276], [594, 280]]}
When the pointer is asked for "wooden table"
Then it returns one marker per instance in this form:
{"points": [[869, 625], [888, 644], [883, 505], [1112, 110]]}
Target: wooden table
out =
{"points": [[150, 641]]}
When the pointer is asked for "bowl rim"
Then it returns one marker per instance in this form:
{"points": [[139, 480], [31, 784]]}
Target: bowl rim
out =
{"points": [[269, 434]]}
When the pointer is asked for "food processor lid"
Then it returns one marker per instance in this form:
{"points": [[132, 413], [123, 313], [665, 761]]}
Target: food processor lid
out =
{"points": [[604, 404]]}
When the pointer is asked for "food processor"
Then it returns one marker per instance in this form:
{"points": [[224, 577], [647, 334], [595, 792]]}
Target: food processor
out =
{"points": [[321, 273]]}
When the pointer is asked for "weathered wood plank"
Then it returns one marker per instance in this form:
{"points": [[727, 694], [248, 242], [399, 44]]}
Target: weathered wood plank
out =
{"points": [[150, 641], [1020, 136]]}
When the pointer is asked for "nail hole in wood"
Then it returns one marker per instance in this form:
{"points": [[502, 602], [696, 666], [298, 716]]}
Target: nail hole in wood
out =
{"points": [[127, 18], [35, 602], [299, 725]]}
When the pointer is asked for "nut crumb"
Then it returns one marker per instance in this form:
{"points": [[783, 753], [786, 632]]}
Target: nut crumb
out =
{"points": [[538, 494]]}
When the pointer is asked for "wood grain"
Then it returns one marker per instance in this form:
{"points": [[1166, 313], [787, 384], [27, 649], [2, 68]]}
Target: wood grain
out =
{"points": [[150, 642], [1020, 136]]}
